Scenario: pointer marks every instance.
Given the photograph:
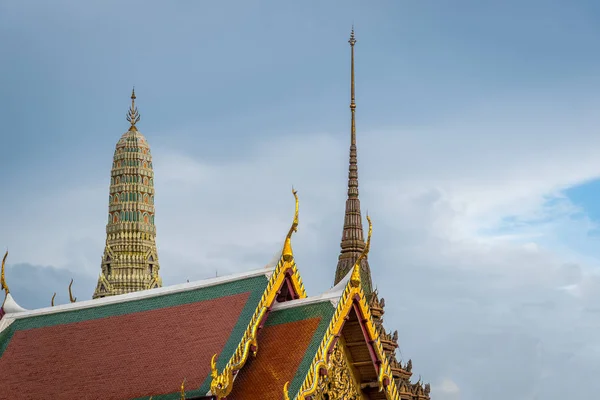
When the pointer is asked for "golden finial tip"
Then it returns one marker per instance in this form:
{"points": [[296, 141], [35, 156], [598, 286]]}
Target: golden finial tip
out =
{"points": [[133, 94]]}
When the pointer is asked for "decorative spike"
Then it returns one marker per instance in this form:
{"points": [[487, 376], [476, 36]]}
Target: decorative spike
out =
{"points": [[287, 253], [182, 397], [3, 284], [286, 395], [52, 301], [71, 298]]}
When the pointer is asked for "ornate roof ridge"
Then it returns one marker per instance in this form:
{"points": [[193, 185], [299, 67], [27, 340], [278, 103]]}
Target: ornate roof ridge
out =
{"points": [[144, 294]]}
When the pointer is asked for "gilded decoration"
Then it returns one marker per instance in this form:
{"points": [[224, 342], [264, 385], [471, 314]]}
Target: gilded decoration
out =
{"points": [[3, 285], [339, 383], [353, 294], [222, 383]]}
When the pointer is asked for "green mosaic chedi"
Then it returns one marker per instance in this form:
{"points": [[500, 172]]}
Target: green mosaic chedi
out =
{"points": [[130, 259]]}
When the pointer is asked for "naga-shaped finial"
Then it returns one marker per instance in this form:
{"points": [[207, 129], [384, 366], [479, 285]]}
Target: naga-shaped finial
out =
{"points": [[220, 386], [287, 253], [3, 284], [355, 277], [133, 116], [182, 397], [52, 301], [71, 298]]}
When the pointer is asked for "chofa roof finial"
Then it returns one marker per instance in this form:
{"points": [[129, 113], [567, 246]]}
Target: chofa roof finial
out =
{"points": [[3, 284], [71, 298], [287, 246]]}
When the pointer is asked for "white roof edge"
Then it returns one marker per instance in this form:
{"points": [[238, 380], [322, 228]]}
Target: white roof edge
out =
{"points": [[5, 322], [143, 294], [332, 296]]}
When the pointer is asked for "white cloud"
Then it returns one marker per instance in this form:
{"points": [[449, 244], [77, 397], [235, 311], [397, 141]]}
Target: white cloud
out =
{"points": [[447, 390]]}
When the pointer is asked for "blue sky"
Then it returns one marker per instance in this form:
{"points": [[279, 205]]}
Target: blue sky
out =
{"points": [[478, 161]]}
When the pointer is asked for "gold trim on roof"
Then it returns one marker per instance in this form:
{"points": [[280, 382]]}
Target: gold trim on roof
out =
{"points": [[353, 294], [222, 383]]}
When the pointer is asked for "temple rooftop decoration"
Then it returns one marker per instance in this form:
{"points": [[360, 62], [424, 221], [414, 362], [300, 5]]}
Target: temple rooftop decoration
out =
{"points": [[246, 336], [130, 259]]}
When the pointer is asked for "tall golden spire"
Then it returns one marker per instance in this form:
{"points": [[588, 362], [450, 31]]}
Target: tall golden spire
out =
{"points": [[353, 244], [133, 116]]}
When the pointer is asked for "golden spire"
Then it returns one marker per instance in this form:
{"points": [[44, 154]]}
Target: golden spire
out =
{"points": [[287, 246], [133, 116], [355, 277], [71, 298], [3, 284]]}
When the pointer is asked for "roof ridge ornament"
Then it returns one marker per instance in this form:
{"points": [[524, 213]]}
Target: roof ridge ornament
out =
{"points": [[3, 285], [355, 278], [287, 252], [52, 301], [71, 298], [133, 116]]}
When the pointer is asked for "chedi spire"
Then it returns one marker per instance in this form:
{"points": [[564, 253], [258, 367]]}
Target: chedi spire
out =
{"points": [[130, 259], [353, 242]]}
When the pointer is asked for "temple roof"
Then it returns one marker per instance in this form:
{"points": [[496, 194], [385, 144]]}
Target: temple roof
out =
{"points": [[129, 346], [288, 343]]}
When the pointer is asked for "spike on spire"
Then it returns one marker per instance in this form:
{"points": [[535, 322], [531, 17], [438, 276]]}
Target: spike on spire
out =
{"points": [[133, 116], [353, 244]]}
